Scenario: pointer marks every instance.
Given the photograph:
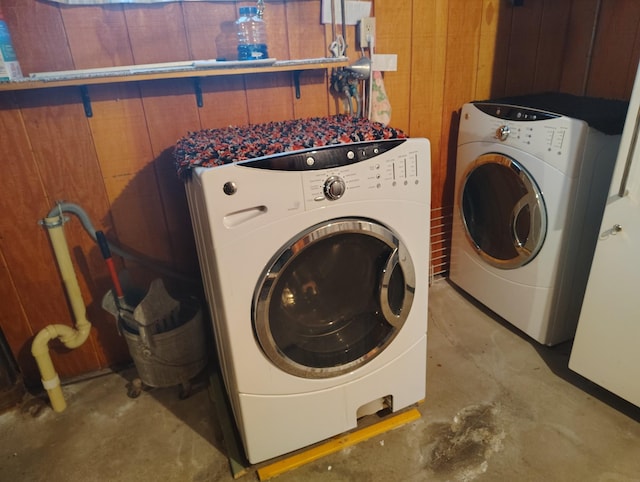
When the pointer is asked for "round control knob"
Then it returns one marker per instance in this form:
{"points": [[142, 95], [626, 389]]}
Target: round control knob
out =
{"points": [[503, 132], [334, 188]]}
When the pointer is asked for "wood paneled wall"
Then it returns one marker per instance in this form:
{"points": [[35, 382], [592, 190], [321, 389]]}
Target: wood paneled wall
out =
{"points": [[117, 164]]}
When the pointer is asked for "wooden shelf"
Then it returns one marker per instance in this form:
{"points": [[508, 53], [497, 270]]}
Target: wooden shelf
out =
{"points": [[187, 72]]}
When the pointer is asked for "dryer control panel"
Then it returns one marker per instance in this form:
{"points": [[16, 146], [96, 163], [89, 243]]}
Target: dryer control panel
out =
{"points": [[514, 113], [518, 125], [551, 137]]}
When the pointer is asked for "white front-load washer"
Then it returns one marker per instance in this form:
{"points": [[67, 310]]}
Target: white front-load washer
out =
{"points": [[531, 187], [315, 266]]}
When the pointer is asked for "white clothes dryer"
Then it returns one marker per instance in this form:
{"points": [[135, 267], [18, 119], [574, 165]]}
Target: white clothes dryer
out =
{"points": [[315, 265], [530, 191]]}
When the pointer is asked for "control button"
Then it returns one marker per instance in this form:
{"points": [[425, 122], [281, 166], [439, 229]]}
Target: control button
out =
{"points": [[503, 132], [376, 150], [351, 155], [519, 115], [310, 161], [334, 188]]}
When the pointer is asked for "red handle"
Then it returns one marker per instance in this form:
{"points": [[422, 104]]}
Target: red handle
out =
{"points": [[114, 278], [106, 254]]}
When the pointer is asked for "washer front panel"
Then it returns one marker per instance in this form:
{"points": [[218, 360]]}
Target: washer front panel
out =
{"points": [[333, 298], [277, 221], [271, 207]]}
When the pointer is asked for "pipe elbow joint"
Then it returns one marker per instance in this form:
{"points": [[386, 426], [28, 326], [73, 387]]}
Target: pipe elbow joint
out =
{"points": [[40, 344], [70, 337], [77, 337]]}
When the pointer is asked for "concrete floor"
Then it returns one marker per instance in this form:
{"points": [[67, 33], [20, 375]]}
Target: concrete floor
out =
{"points": [[499, 408]]}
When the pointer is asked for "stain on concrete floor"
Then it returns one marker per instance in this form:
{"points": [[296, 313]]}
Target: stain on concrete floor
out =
{"points": [[461, 450]]}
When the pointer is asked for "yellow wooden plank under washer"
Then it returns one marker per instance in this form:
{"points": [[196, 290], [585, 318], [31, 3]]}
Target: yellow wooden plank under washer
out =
{"points": [[336, 444]]}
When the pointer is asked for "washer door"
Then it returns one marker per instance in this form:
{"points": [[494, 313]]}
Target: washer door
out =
{"points": [[333, 298], [503, 211]]}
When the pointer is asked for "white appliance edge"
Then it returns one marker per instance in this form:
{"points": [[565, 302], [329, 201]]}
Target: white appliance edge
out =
{"points": [[606, 348]]}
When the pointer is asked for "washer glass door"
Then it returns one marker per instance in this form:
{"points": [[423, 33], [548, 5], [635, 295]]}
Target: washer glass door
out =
{"points": [[333, 298], [503, 211]]}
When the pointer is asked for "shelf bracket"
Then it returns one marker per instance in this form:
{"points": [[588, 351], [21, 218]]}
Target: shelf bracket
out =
{"points": [[198, 91], [86, 101], [296, 82]]}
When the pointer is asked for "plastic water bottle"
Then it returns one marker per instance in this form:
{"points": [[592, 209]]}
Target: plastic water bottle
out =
{"points": [[9, 66], [252, 35]]}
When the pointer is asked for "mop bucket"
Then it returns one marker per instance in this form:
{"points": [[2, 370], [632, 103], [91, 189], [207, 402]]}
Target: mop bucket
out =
{"points": [[172, 357], [165, 336]]}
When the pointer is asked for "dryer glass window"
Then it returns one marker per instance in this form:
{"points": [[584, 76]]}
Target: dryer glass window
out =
{"points": [[334, 298], [503, 211]]}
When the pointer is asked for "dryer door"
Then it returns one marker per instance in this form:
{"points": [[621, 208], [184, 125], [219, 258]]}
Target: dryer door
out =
{"points": [[333, 298], [503, 211]]}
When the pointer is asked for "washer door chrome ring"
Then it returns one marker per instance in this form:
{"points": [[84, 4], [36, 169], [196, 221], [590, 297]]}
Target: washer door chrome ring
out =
{"points": [[394, 316]]}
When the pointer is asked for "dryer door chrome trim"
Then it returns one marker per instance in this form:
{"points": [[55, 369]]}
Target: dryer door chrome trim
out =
{"points": [[333, 298], [503, 211]]}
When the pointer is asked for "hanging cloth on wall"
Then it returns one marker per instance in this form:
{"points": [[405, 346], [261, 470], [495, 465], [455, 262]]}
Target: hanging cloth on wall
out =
{"points": [[380, 105]]}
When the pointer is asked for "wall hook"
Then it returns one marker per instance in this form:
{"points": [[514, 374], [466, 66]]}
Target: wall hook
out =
{"points": [[86, 101], [198, 91], [296, 82]]}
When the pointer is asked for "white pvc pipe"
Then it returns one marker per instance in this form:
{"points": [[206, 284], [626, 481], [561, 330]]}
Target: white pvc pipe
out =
{"points": [[70, 337]]}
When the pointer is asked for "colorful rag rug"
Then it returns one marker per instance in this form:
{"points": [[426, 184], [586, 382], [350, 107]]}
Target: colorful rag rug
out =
{"points": [[214, 147]]}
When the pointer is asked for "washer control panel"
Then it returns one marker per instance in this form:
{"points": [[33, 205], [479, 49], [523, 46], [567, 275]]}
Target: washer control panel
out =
{"points": [[330, 175], [376, 173]]}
